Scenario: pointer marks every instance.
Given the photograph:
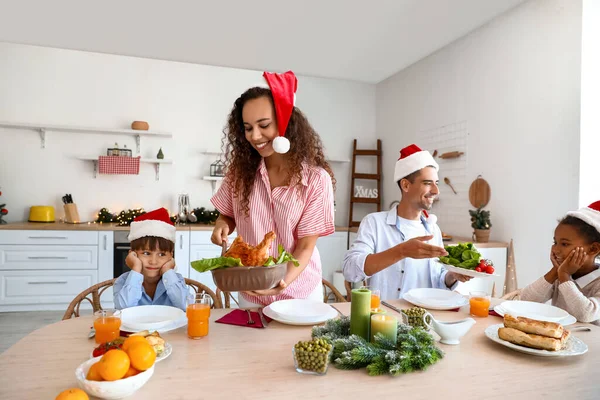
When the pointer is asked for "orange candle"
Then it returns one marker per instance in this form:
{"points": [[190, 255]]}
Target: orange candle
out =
{"points": [[480, 304], [107, 325]]}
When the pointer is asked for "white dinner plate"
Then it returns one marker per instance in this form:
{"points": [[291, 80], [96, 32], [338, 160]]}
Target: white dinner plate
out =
{"points": [[530, 309], [573, 347], [151, 318], [269, 313], [166, 352], [300, 310], [435, 299], [468, 272], [569, 320]]}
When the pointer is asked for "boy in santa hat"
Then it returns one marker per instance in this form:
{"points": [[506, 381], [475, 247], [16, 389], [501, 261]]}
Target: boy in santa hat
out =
{"points": [[573, 282], [396, 249], [152, 279]]}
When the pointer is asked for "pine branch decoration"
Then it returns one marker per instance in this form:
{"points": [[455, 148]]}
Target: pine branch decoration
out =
{"points": [[415, 349]]}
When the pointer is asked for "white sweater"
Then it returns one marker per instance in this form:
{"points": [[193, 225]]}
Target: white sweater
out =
{"points": [[580, 298]]}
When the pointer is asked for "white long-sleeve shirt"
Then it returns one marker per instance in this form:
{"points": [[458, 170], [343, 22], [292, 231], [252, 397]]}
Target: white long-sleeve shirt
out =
{"points": [[170, 291], [381, 231]]}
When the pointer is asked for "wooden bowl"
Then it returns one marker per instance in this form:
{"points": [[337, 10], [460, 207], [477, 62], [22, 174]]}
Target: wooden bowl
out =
{"points": [[239, 279], [140, 125]]}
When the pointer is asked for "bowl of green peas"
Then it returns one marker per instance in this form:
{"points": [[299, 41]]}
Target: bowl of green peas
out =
{"points": [[417, 317], [312, 357]]}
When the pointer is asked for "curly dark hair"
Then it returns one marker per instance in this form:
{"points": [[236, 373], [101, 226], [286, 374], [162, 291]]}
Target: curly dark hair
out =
{"points": [[587, 231], [242, 160]]}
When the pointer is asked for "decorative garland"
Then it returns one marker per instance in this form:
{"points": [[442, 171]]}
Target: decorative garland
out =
{"points": [[125, 217], [415, 349]]}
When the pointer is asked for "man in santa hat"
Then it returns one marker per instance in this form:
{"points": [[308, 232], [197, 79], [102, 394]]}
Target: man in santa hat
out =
{"points": [[396, 249]]}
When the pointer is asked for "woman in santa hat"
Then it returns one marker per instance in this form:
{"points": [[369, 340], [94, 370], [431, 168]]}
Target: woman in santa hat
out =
{"points": [[276, 180], [573, 282]]}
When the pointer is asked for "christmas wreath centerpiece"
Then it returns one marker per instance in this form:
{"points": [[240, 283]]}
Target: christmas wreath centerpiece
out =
{"points": [[414, 349]]}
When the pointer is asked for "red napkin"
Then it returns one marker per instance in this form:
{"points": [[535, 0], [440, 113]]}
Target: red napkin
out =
{"points": [[495, 314], [240, 317]]}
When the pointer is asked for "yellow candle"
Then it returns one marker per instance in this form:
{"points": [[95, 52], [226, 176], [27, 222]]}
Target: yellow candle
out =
{"points": [[384, 324]]}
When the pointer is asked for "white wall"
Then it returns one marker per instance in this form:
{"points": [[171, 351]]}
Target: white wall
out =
{"points": [[589, 180], [516, 84], [43, 85]]}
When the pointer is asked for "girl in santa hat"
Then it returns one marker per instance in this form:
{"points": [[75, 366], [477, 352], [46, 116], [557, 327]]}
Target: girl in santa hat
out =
{"points": [[276, 180], [152, 279], [573, 282]]}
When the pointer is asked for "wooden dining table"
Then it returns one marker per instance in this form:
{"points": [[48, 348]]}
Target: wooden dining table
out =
{"points": [[235, 362]]}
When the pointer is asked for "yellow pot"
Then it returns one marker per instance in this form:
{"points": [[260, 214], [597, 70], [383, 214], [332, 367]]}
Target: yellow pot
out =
{"points": [[41, 214]]}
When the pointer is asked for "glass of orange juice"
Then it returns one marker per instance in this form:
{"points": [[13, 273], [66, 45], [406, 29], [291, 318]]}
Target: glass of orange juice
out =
{"points": [[480, 304], [107, 324], [198, 312]]}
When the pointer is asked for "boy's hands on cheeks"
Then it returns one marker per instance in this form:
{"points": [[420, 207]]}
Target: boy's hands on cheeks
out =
{"points": [[572, 263], [133, 262], [167, 266]]}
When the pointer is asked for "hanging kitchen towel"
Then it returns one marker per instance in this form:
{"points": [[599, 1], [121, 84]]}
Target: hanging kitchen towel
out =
{"points": [[119, 165]]}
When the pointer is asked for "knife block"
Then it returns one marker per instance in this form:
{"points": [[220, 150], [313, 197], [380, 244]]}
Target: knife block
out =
{"points": [[71, 213]]}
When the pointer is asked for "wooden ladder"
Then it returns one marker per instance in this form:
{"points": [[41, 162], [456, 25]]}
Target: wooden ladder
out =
{"points": [[355, 175]]}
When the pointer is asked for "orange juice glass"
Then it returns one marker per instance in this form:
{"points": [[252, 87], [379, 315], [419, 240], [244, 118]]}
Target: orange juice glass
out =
{"points": [[480, 304], [375, 296], [198, 313], [107, 324]]}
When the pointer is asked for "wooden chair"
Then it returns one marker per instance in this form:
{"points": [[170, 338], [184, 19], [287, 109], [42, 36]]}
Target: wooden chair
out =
{"points": [[227, 297], [348, 286], [330, 290], [98, 289], [514, 295]]}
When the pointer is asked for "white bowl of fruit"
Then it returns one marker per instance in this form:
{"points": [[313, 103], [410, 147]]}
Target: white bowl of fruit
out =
{"points": [[119, 372]]}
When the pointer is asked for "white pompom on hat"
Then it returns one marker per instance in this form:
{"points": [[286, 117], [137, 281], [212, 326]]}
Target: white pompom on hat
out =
{"points": [[154, 223]]}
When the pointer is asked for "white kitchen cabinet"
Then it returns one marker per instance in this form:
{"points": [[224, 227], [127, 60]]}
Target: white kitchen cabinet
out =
{"points": [[182, 253], [105, 265], [45, 270], [21, 290]]}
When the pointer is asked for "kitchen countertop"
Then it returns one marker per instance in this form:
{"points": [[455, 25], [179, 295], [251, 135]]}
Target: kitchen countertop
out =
{"points": [[92, 226]]}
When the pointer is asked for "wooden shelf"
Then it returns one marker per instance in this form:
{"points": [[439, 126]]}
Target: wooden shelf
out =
{"points": [[157, 162], [44, 128], [368, 200]]}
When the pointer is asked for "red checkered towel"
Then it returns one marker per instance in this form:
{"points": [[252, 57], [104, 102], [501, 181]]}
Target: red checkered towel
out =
{"points": [[119, 165]]}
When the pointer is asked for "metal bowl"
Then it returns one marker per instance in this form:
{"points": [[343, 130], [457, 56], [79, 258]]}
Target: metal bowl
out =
{"points": [[239, 279]]}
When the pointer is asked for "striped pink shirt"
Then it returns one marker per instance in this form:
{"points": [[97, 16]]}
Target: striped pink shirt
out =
{"points": [[292, 213]]}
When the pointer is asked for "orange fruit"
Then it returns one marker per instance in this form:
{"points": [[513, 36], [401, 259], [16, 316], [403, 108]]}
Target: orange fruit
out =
{"points": [[131, 340], [93, 373], [130, 372], [72, 394], [142, 356], [113, 365]]}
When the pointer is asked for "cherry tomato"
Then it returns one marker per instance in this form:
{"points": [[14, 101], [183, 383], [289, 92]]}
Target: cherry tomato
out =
{"points": [[478, 268], [489, 269]]}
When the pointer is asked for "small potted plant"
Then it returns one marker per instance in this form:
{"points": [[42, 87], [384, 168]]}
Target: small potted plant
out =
{"points": [[480, 221]]}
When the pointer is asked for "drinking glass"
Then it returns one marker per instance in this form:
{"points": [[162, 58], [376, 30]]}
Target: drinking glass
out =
{"points": [[107, 324], [198, 313], [480, 304]]}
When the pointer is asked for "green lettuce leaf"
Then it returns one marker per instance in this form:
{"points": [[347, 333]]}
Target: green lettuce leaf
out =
{"points": [[208, 264]]}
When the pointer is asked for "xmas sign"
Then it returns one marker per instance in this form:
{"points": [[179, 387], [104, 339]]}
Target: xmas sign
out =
{"points": [[360, 191]]}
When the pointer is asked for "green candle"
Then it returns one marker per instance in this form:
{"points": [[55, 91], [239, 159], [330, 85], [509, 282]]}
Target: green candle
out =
{"points": [[360, 313], [385, 324]]}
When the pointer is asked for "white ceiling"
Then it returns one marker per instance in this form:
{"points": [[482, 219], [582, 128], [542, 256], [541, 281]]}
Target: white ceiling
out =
{"points": [[358, 40]]}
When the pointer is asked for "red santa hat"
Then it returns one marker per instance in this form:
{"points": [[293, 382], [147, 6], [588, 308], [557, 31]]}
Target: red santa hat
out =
{"points": [[412, 159], [283, 88], [154, 223], [589, 214]]}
